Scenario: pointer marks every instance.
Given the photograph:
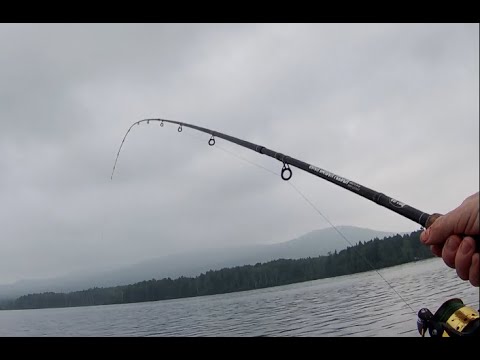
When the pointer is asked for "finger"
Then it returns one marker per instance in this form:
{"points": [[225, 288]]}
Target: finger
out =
{"points": [[436, 250], [423, 236], [441, 229], [474, 274], [450, 250], [463, 258]]}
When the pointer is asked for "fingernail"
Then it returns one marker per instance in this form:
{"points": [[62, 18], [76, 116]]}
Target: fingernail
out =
{"points": [[466, 247]]}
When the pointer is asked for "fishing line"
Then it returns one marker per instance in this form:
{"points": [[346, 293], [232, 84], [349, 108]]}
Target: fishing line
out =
{"points": [[320, 213], [343, 236], [407, 211], [199, 139]]}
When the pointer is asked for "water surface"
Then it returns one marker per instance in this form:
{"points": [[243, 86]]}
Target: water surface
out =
{"points": [[353, 305]]}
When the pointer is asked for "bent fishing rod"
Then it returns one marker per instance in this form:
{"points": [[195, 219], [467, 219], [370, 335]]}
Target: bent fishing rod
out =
{"points": [[420, 217], [453, 318]]}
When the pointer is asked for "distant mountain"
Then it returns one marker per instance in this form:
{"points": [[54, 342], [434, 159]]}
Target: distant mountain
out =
{"points": [[320, 242], [315, 243]]}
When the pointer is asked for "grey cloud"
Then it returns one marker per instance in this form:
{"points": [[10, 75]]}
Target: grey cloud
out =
{"points": [[391, 106]]}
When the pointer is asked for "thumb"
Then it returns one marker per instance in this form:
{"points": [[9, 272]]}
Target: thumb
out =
{"points": [[441, 229]]}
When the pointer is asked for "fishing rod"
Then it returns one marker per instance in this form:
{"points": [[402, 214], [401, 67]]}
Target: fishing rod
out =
{"points": [[420, 217], [438, 324]]}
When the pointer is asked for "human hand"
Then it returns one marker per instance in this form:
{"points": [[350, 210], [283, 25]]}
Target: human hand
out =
{"points": [[452, 236]]}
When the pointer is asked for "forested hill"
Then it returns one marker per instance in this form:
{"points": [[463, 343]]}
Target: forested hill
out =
{"points": [[191, 262], [389, 251]]}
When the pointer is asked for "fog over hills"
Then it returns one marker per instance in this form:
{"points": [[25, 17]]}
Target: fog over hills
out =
{"points": [[315, 243]]}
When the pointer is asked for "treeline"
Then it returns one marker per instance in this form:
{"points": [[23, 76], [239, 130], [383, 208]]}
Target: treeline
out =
{"points": [[378, 253]]}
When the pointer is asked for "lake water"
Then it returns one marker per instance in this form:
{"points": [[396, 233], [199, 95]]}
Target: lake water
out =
{"points": [[354, 305]]}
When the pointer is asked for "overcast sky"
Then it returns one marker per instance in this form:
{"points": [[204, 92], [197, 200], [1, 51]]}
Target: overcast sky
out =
{"points": [[392, 107]]}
